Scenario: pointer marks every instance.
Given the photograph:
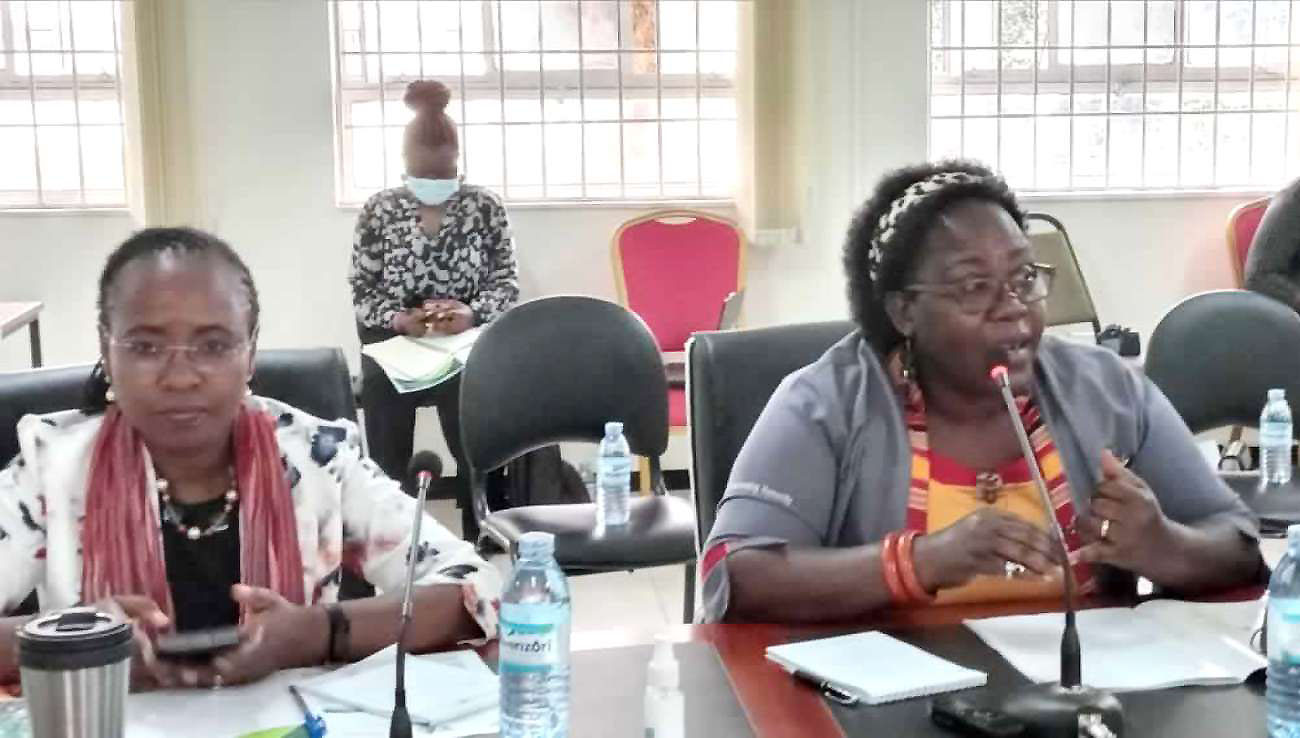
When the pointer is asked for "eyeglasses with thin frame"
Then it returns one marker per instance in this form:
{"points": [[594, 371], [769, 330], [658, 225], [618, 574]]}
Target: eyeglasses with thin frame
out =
{"points": [[206, 355], [1029, 284]]}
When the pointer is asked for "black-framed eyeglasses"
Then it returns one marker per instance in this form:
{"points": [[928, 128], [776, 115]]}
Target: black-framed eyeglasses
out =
{"points": [[977, 295]]}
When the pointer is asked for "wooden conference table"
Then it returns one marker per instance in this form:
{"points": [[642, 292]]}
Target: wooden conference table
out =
{"points": [[775, 706], [733, 691]]}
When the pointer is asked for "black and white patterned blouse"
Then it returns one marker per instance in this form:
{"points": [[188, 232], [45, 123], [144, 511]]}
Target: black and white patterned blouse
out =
{"points": [[396, 265]]}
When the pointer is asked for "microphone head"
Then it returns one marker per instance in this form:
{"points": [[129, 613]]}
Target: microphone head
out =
{"points": [[424, 462], [999, 375]]}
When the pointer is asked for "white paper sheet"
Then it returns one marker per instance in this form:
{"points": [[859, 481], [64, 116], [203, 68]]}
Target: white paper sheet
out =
{"points": [[235, 711], [1123, 649]]}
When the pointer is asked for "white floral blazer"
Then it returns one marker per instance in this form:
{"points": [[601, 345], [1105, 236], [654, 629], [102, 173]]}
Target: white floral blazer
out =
{"points": [[349, 514]]}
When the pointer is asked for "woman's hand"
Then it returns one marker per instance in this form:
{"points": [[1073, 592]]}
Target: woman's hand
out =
{"points": [[449, 317], [412, 322], [146, 619], [275, 635], [982, 543], [1137, 534]]}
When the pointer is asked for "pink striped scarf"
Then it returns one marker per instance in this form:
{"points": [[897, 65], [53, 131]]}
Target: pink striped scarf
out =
{"points": [[121, 547]]}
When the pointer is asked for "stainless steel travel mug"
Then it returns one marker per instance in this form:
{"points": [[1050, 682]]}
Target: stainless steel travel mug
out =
{"points": [[75, 667]]}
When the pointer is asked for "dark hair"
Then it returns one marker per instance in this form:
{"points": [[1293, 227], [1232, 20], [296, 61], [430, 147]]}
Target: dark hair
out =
{"points": [[431, 125], [898, 254], [153, 242]]}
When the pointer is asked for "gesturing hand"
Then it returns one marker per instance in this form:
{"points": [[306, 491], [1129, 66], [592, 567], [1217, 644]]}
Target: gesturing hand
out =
{"points": [[982, 543], [1126, 527]]}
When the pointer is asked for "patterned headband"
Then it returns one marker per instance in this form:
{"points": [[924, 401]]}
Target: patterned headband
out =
{"points": [[916, 193]]}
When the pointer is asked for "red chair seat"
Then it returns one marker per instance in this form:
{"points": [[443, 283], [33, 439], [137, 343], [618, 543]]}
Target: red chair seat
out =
{"points": [[677, 407]]}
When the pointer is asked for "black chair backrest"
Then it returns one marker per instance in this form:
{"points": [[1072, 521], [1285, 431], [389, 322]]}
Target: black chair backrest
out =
{"points": [[315, 381], [731, 375], [556, 369], [37, 391], [1216, 355]]}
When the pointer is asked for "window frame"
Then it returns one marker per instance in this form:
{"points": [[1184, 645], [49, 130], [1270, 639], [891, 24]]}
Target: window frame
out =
{"points": [[495, 83], [1175, 76], [78, 86]]}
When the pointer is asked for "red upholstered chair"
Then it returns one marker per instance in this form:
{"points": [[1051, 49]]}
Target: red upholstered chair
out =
{"points": [[1243, 221], [676, 269]]}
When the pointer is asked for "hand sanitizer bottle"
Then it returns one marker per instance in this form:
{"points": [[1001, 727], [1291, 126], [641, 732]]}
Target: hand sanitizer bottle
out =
{"points": [[665, 707]]}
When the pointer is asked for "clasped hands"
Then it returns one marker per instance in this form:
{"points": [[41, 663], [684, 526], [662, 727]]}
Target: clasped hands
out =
{"points": [[446, 317], [1123, 527]]}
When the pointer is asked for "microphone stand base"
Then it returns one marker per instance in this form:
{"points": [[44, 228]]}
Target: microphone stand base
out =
{"points": [[1054, 711]]}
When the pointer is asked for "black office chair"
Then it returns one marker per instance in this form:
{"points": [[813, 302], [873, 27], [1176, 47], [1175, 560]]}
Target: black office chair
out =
{"points": [[731, 376], [315, 381], [556, 369], [1215, 356]]}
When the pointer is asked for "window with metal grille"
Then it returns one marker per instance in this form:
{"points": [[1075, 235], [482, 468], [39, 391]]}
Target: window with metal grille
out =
{"points": [[555, 99], [1118, 94], [61, 131]]}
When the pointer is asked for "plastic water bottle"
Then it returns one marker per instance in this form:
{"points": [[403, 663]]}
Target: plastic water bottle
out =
{"points": [[534, 650], [1283, 636], [1275, 439], [613, 477]]}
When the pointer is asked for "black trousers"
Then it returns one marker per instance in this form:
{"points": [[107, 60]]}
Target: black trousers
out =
{"points": [[390, 427]]}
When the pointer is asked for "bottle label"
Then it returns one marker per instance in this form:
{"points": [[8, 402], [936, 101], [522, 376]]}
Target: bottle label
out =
{"points": [[533, 637], [1284, 630], [615, 467], [1275, 434]]}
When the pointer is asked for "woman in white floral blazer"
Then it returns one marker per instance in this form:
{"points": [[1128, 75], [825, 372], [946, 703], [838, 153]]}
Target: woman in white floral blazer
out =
{"points": [[182, 501]]}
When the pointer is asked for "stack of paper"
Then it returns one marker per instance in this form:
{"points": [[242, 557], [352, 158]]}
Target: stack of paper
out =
{"points": [[447, 694], [413, 364]]}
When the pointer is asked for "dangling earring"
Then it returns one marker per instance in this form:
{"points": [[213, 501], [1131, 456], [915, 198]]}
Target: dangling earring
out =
{"points": [[109, 394], [248, 392], [907, 362]]}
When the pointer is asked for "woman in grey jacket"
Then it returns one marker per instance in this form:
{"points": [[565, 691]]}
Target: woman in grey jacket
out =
{"points": [[888, 472]]}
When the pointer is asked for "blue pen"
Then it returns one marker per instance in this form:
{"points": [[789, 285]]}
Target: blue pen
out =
{"points": [[312, 723]]}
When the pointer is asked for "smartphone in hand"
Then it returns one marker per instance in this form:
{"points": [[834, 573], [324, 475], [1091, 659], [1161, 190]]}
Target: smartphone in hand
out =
{"points": [[193, 644]]}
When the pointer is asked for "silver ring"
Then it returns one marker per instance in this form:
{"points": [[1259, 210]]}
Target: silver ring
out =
{"points": [[1105, 528], [217, 681], [1012, 570]]}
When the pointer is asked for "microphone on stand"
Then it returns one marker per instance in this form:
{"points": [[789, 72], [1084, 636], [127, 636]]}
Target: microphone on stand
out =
{"points": [[425, 466], [1066, 708]]}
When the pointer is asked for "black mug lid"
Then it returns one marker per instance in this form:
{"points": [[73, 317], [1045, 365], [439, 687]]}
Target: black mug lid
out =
{"points": [[75, 638]]}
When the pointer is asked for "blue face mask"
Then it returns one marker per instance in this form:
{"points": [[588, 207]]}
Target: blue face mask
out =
{"points": [[432, 191]]}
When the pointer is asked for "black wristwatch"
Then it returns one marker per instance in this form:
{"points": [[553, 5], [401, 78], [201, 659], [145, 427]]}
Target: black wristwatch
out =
{"points": [[340, 631]]}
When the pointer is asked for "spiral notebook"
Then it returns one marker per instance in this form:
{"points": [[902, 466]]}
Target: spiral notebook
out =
{"points": [[874, 667]]}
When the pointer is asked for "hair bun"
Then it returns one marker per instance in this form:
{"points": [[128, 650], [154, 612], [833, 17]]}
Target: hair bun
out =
{"points": [[427, 96]]}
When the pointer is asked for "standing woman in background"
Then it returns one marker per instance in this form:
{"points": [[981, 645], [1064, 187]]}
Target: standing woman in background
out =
{"points": [[431, 257]]}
